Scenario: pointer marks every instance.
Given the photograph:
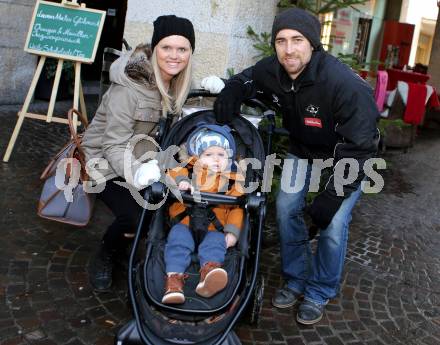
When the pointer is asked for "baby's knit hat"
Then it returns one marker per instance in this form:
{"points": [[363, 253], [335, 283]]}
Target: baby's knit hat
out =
{"points": [[206, 136]]}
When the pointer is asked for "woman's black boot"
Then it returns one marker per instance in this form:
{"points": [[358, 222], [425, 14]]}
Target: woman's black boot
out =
{"points": [[101, 268]]}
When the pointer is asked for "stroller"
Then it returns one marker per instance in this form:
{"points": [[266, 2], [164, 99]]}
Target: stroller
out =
{"points": [[200, 321]]}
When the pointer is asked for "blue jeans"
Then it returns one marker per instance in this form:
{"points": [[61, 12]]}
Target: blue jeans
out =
{"points": [[318, 277], [180, 245]]}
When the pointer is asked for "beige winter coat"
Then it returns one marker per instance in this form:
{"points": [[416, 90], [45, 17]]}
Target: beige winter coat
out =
{"points": [[128, 109]]}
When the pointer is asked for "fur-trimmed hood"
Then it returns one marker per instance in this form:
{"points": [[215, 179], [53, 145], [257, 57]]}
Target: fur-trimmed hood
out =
{"points": [[134, 69], [131, 106]]}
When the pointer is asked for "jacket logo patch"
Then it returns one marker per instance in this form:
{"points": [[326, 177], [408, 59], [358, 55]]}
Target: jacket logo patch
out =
{"points": [[275, 99], [312, 122], [312, 109]]}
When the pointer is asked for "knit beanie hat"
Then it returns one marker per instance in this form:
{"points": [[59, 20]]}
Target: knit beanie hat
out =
{"points": [[169, 25], [206, 136], [299, 20]]}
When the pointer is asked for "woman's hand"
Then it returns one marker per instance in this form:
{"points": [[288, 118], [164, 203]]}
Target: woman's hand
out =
{"points": [[185, 185], [231, 240], [213, 84], [147, 174]]}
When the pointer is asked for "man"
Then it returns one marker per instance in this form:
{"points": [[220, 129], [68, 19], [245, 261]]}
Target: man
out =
{"points": [[329, 112]]}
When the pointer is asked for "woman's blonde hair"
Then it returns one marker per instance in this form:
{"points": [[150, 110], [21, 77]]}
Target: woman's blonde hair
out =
{"points": [[173, 99]]}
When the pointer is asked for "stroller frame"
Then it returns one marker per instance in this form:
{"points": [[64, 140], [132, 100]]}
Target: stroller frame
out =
{"points": [[134, 332]]}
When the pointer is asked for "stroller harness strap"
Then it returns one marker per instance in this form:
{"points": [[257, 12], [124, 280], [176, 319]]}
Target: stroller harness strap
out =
{"points": [[201, 216]]}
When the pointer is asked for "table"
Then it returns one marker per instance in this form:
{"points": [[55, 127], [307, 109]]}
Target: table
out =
{"points": [[394, 75]]}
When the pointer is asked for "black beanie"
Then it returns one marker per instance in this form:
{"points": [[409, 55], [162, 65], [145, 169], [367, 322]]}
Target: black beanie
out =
{"points": [[165, 26], [301, 21]]}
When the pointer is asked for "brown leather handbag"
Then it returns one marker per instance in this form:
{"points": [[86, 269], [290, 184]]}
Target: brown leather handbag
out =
{"points": [[71, 204]]}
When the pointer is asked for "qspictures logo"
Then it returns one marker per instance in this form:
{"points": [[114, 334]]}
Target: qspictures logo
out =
{"points": [[295, 173]]}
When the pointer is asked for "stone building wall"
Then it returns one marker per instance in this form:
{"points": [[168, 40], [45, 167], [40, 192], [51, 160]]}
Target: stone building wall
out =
{"points": [[220, 25], [221, 40], [16, 67]]}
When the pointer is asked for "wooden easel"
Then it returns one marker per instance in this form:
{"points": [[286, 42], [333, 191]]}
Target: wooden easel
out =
{"points": [[78, 96]]}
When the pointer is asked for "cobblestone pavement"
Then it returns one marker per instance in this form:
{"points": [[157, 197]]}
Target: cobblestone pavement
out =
{"points": [[391, 285]]}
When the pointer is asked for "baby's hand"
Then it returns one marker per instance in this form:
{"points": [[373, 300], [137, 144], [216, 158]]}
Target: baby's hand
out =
{"points": [[231, 240], [185, 185]]}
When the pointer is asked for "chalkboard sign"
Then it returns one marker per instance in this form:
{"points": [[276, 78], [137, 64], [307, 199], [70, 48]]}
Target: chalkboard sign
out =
{"points": [[63, 31]]}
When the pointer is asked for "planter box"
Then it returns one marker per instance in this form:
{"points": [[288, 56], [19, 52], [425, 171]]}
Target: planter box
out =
{"points": [[399, 137]]}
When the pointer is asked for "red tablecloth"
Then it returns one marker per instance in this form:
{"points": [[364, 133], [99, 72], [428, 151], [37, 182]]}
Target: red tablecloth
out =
{"points": [[394, 75], [417, 102]]}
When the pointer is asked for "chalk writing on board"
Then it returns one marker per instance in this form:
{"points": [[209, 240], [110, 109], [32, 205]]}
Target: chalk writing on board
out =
{"points": [[65, 32], [64, 18], [57, 50]]}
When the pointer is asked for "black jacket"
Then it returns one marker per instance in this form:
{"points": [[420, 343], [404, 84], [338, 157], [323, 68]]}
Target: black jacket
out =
{"points": [[328, 110]]}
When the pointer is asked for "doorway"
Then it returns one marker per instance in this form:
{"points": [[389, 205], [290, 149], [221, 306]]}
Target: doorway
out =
{"points": [[112, 33], [362, 38]]}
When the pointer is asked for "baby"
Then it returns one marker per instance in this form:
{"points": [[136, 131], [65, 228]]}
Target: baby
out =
{"points": [[208, 170]]}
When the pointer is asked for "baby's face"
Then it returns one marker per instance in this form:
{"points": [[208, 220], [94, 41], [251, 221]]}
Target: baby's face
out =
{"points": [[215, 158]]}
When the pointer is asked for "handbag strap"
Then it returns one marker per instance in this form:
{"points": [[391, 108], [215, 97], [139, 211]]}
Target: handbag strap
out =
{"points": [[82, 119], [76, 141], [77, 137], [48, 170]]}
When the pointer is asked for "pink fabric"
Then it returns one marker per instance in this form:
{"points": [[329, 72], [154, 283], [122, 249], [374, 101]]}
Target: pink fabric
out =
{"points": [[415, 106], [381, 89]]}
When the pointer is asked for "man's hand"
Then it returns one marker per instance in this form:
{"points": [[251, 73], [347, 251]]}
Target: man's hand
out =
{"points": [[313, 231], [323, 209], [230, 239], [228, 103]]}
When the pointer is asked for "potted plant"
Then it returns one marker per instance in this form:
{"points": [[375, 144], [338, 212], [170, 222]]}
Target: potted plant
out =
{"points": [[44, 86], [319, 6], [361, 68]]}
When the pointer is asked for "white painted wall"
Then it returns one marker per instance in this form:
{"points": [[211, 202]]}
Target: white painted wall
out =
{"points": [[412, 12], [220, 28]]}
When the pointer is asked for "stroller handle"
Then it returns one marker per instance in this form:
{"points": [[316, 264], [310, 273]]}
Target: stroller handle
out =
{"points": [[255, 103], [252, 102], [193, 93], [157, 191], [213, 198]]}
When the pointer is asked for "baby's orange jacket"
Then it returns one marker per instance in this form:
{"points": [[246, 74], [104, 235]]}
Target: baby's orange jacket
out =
{"points": [[230, 216]]}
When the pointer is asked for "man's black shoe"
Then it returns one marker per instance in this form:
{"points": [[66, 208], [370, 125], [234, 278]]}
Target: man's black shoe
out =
{"points": [[310, 313], [285, 297], [101, 268]]}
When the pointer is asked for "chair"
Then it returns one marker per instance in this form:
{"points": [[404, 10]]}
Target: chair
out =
{"points": [[109, 55]]}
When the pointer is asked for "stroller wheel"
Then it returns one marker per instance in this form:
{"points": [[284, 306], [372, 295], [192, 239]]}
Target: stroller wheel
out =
{"points": [[256, 303]]}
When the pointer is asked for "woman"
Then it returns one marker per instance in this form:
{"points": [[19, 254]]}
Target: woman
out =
{"points": [[146, 84]]}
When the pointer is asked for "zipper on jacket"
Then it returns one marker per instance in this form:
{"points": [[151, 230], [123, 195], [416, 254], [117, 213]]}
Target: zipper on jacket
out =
{"points": [[293, 88]]}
